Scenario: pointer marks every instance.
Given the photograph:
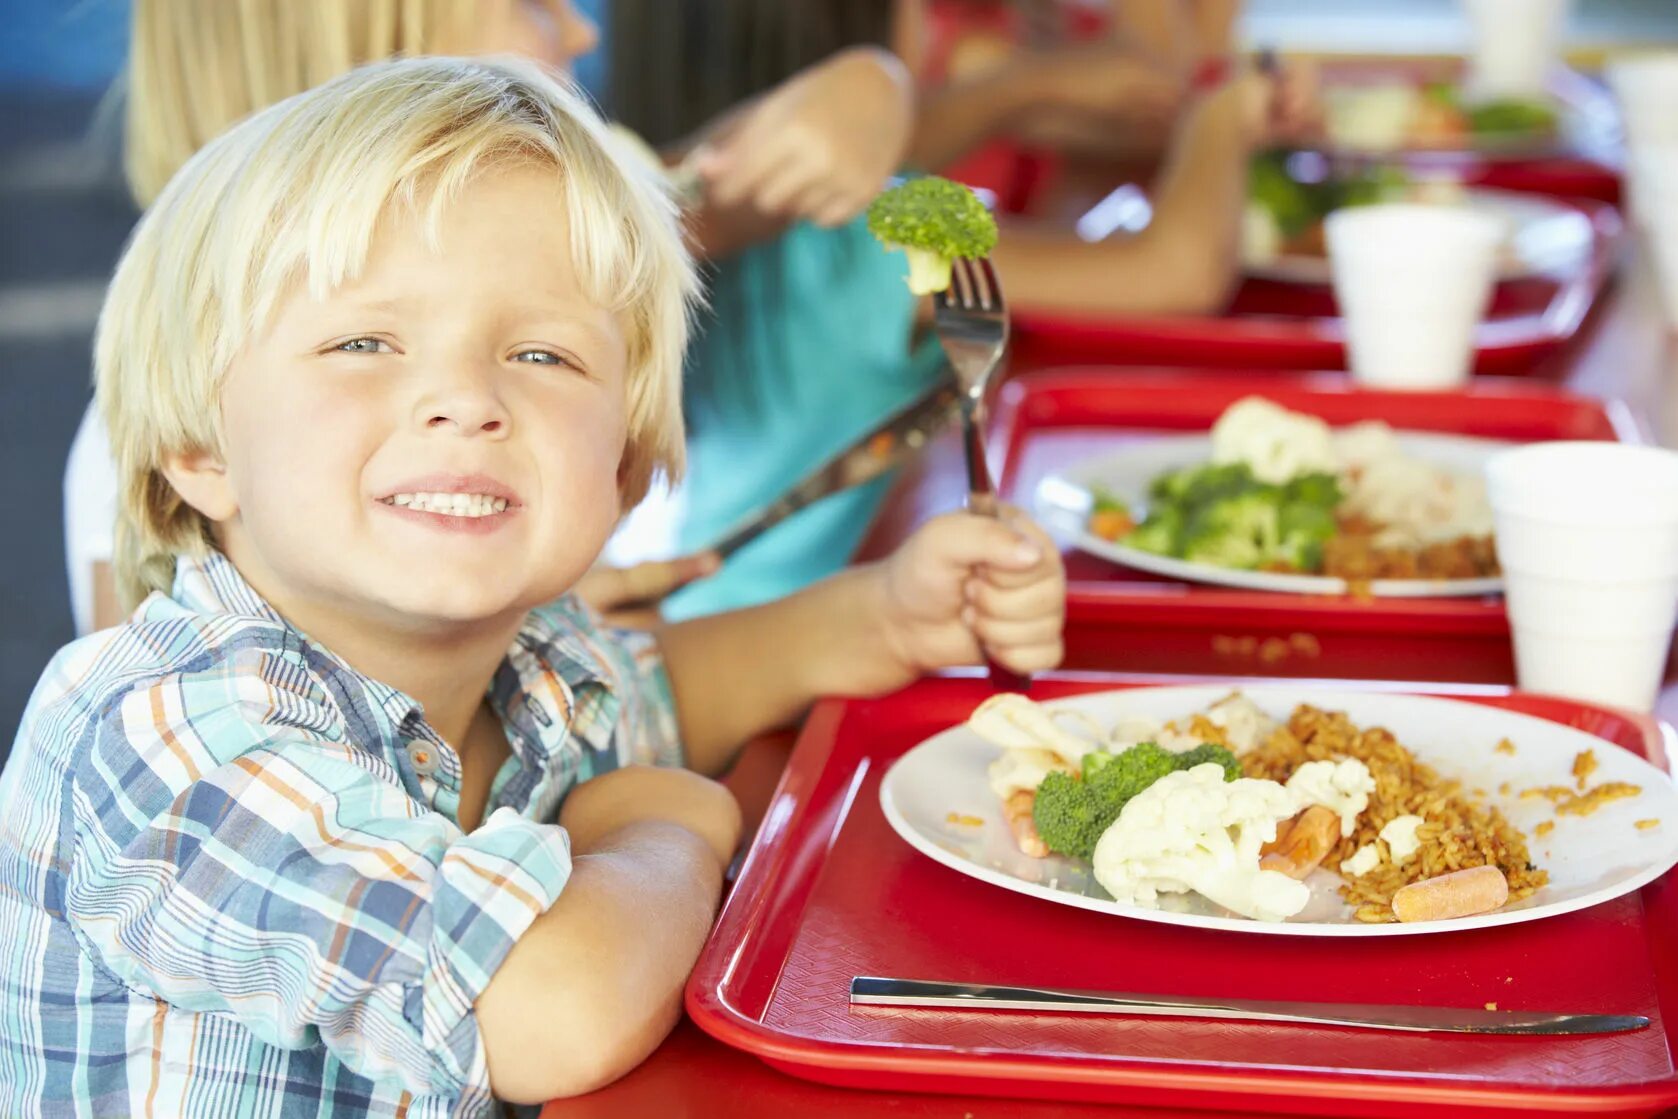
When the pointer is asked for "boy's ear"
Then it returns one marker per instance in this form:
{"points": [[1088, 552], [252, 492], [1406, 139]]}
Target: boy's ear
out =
{"points": [[200, 477]]}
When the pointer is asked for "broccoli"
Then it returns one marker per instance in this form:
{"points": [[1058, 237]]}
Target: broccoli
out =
{"points": [[1239, 531], [1161, 533], [1193, 485], [933, 221], [1104, 500], [1303, 530], [1286, 199], [1511, 115], [1071, 811], [1319, 489], [1210, 752]]}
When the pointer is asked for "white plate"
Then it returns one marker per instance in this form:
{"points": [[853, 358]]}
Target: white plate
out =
{"points": [[1545, 237], [1063, 502], [1591, 859]]}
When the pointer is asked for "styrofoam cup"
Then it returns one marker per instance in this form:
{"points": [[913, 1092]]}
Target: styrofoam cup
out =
{"points": [[1652, 183], [1621, 670], [1646, 87], [1412, 282], [1587, 536], [1515, 45]]}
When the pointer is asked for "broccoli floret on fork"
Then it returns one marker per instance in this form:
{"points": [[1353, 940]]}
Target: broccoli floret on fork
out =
{"points": [[933, 221]]}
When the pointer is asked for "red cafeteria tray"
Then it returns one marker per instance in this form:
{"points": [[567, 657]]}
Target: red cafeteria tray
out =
{"points": [[829, 892], [1272, 325], [1123, 620]]}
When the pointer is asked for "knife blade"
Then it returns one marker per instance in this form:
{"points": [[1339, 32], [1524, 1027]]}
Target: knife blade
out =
{"points": [[883, 447], [873, 990]]}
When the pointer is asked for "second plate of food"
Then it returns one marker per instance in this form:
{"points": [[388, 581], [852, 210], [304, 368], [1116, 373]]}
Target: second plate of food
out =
{"points": [[1407, 517]]}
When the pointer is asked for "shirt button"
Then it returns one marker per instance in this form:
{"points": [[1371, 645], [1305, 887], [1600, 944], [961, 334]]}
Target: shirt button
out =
{"points": [[424, 758]]}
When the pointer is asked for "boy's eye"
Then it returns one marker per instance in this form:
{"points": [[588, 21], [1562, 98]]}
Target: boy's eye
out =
{"points": [[362, 346], [539, 357]]}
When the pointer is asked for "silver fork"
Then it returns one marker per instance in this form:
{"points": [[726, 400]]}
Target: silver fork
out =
{"points": [[971, 320]]}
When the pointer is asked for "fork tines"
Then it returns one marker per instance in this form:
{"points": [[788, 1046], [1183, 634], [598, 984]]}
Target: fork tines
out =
{"points": [[973, 286]]}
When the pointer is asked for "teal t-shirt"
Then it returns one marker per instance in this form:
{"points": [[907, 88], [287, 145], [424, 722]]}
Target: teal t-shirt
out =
{"points": [[806, 347]]}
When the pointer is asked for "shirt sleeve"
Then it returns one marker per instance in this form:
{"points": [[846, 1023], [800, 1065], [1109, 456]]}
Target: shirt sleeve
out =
{"points": [[222, 864]]}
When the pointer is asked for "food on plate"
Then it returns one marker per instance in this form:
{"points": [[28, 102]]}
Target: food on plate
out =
{"points": [[933, 221], [1460, 893], [1284, 492], [1286, 207], [1244, 810], [1401, 115], [1453, 833], [1646, 825]]}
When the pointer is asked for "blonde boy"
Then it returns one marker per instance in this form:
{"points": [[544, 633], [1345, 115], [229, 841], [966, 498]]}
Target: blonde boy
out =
{"points": [[346, 820]]}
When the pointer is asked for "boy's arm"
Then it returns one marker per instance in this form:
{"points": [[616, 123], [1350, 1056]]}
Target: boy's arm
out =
{"points": [[375, 926], [595, 983], [961, 587], [742, 672]]}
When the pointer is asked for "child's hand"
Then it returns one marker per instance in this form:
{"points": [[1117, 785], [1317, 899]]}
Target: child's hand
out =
{"points": [[818, 146], [638, 793], [628, 597], [964, 587]]}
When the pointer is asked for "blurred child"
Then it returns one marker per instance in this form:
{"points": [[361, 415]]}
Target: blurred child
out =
{"points": [[811, 338], [345, 820]]}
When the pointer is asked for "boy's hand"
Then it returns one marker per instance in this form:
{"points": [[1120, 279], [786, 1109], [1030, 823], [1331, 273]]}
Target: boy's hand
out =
{"points": [[637, 793], [964, 587]]}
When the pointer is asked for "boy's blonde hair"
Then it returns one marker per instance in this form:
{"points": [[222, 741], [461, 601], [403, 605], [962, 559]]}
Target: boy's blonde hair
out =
{"points": [[293, 195], [195, 67]]}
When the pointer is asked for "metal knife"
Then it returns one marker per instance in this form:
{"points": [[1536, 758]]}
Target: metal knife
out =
{"points": [[872, 990], [885, 446]]}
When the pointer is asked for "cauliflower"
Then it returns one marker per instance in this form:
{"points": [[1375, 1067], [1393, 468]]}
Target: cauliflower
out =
{"points": [[1400, 837], [1244, 723], [1013, 722], [1343, 786], [1192, 830], [1022, 768], [1275, 444], [1364, 860]]}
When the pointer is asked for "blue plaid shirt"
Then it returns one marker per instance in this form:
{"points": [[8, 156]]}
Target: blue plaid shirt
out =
{"points": [[232, 878]]}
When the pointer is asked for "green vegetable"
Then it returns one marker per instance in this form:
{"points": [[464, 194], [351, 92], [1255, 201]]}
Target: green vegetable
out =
{"points": [[1193, 485], [1289, 201], [1242, 530], [1319, 489], [1161, 533], [1071, 811], [933, 221], [1210, 752], [1511, 114]]}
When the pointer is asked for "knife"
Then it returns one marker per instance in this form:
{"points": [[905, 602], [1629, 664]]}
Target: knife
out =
{"points": [[883, 447], [873, 990]]}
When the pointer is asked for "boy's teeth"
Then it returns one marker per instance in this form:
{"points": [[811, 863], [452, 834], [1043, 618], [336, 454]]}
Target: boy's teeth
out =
{"points": [[451, 504]]}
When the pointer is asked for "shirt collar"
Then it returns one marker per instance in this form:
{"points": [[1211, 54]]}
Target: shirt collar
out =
{"points": [[535, 690]]}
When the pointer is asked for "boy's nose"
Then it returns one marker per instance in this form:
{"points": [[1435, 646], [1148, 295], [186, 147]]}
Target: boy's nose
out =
{"points": [[463, 411]]}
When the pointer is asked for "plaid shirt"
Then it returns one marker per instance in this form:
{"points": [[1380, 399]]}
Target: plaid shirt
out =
{"points": [[232, 880]]}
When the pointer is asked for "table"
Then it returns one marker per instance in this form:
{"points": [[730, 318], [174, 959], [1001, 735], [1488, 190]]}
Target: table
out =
{"points": [[1625, 351]]}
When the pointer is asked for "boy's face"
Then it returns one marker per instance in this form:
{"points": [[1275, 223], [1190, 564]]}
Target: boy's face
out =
{"points": [[437, 442]]}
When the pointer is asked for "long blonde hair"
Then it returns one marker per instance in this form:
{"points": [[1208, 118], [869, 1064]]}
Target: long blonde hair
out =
{"points": [[197, 66], [293, 195]]}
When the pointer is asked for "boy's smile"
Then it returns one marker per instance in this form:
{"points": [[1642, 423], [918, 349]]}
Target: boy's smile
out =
{"points": [[437, 441]]}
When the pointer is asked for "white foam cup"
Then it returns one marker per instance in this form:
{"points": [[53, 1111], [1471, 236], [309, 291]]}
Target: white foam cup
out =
{"points": [[1515, 45], [1587, 536], [1412, 282]]}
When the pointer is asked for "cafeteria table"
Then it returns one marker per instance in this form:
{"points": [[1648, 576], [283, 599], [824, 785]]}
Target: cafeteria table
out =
{"points": [[1625, 352]]}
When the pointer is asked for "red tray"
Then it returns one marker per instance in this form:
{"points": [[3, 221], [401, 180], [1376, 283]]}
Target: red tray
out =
{"points": [[829, 892], [1271, 325], [1123, 620]]}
